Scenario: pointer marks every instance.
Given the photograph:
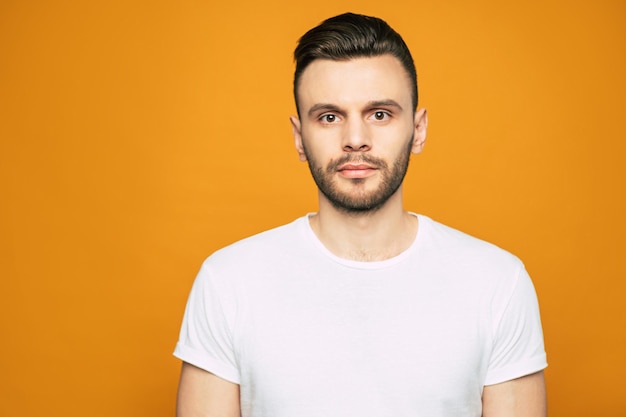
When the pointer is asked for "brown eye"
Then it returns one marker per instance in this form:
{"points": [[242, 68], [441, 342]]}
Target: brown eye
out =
{"points": [[380, 115], [329, 118]]}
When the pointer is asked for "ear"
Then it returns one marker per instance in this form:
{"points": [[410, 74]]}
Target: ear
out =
{"points": [[296, 128], [421, 123]]}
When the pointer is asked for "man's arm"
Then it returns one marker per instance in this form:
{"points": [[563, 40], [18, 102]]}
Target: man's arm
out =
{"points": [[202, 394], [521, 397]]}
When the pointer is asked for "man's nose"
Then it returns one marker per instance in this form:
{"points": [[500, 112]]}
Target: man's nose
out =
{"points": [[356, 137]]}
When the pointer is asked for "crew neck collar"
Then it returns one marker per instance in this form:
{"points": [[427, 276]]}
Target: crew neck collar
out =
{"points": [[312, 237]]}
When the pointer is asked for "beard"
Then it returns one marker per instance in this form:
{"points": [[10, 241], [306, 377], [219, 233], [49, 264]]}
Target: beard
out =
{"points": [[359, 201]]}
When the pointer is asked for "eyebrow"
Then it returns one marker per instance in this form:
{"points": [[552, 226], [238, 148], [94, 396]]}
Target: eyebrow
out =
{"points": [[385, 103], [322, 106], [374, 103]]}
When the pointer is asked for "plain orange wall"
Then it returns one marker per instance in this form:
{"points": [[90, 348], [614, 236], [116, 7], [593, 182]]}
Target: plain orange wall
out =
{"points": [[139, 136]]}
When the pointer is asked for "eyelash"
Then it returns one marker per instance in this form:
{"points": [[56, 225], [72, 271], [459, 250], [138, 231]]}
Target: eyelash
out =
{"points": [[385, 115], [324, 118]]}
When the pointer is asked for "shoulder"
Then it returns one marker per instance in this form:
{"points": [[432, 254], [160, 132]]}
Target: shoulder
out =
{"points": [[257, 250], [438, 237], [443, 244]]}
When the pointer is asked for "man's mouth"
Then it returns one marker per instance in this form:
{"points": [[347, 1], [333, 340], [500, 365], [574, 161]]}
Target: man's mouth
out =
{"points": [[356, 170], [355, 167]]}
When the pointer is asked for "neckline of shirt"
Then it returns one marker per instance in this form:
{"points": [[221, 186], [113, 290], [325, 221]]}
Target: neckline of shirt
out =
{"points": [[312, 237]]}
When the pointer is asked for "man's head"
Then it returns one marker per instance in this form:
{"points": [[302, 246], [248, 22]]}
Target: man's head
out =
{"points": [[357, 121], [350, 36]]}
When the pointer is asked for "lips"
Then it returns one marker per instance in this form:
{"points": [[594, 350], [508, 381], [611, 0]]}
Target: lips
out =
{"points": [[355, 167], [354, 171]]}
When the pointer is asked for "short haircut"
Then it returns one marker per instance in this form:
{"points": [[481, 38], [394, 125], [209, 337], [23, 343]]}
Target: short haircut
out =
{"points": [[349, 36]]}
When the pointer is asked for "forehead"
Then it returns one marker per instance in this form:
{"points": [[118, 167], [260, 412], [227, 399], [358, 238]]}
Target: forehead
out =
{"points": [[354, 81]]}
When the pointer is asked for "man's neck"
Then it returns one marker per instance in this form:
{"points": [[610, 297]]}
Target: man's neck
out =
{"points": [[368, 236]]}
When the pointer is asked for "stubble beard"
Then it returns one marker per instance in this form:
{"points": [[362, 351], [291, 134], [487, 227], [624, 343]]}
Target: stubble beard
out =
{"points": [[360, 201]]}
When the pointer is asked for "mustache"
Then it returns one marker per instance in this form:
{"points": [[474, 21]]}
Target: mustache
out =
{"points": [[356, 159]]}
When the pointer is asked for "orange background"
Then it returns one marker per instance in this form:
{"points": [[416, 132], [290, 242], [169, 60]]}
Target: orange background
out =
{"points": [[139, 136]]}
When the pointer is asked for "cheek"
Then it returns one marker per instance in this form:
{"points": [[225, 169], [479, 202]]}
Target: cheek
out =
{"points": [[391, 141], [320, 142]]}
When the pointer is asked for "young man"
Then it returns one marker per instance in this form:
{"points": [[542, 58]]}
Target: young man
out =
{"points": [[361, 309]]}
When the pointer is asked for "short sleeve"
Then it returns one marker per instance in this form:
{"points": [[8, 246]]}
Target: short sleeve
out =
{"points": [[205, 337], [518, 347]]}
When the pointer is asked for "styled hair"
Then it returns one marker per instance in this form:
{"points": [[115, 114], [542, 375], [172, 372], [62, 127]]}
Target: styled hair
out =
{"points": [[348, 36]]}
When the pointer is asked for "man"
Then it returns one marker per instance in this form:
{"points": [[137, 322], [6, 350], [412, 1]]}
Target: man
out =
{"points": [[361, 309]]}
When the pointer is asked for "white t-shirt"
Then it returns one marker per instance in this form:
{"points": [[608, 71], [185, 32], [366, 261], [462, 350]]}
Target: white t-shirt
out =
{"points": [[308, 334]]}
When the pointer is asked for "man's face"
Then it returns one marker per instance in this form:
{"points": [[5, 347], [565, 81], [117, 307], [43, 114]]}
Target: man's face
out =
{"points": [[357, 129]]}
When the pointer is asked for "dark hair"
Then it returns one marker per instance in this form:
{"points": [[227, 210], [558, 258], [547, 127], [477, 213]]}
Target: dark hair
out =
{"points": [[348, 36]]}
